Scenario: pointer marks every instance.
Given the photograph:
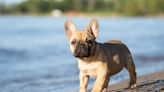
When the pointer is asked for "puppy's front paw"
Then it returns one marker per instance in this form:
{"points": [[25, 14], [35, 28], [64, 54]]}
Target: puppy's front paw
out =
{"points": [[133, 86], [104, 90], [82, 90]]}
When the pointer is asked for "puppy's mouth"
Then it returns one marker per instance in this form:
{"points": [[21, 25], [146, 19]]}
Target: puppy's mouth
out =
{"points": [[81, 54]]}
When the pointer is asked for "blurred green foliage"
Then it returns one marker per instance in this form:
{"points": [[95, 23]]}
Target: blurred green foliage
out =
{"points": [[126, 7]]}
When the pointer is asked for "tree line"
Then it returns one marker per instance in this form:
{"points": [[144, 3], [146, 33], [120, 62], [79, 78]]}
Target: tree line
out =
{"points": [[127, 7]]}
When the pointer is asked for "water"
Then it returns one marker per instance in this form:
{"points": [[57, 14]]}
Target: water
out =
{"points": [[35, 55]]}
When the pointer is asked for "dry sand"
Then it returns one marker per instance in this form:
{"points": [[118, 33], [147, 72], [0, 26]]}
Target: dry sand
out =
{"points": [[148, 83]]}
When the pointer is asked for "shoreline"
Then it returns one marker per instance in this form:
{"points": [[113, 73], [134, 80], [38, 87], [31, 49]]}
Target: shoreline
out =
{"points": [[89, 17], [153, 82], [86, 15]]}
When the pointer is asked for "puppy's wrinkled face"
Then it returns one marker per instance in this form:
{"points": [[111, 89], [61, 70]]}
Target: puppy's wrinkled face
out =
{"points": [[81, 42]]}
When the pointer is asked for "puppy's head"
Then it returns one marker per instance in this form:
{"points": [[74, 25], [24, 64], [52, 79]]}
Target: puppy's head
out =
{"points": [[82, 42]]}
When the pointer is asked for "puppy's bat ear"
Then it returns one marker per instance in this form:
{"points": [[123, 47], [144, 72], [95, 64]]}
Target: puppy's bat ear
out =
{"points": [[70, 28], [93, 28]]}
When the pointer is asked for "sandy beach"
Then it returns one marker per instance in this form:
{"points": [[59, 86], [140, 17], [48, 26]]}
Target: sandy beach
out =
{"points": [[149, 83]]}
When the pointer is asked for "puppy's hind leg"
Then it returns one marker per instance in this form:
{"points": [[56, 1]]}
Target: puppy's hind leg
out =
{"points": [[131, 69]]}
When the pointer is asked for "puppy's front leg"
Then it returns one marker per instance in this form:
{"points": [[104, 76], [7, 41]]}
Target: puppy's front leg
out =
{"points": [[83, 82], [101, 83]]}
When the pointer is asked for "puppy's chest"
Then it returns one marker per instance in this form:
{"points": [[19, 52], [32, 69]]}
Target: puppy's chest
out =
{"points": [[88, 68]]}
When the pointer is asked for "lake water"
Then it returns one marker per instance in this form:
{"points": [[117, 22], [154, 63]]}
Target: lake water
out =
{"points": [[35, 54]]}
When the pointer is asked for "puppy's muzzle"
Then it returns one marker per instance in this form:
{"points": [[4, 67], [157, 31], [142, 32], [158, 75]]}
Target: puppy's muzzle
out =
{"points": [[81, 51]]}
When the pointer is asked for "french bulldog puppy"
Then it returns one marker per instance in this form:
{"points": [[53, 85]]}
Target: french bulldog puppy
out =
{"points": [[100, 60]]}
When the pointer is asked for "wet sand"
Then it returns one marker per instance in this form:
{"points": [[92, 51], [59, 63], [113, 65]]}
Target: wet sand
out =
{"points": [[149, 83]]}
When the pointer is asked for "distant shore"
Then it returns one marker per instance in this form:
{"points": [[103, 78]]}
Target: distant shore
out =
{"points": [[84, 14], [149, 83]]}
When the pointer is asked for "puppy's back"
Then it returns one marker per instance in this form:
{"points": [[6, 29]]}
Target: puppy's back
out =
{"points": [[117, 47], [114, 45], [114, 42]]}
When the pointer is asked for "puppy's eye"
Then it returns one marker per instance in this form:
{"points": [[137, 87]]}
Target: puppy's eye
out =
{"points": [[89, 41], [73, 42]]}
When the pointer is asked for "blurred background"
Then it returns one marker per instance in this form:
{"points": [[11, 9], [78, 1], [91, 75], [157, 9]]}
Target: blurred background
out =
{"points": [[35, 54], [77, 7]]}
